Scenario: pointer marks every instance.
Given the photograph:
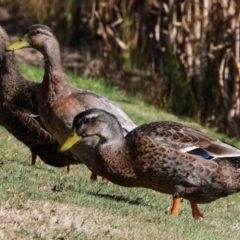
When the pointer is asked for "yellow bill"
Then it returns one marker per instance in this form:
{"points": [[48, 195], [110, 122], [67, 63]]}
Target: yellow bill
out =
{"points": [[71, 140], [21, 43]]}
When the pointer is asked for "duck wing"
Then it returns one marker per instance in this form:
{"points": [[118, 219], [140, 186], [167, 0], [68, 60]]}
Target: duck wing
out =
{"points": [[189, 140], [26, 94], [28, 129], [90, 100], [170, 165]]}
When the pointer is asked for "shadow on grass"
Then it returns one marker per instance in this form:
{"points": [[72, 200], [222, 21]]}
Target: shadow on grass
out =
{"points": [[25, 163], [138, 201]]}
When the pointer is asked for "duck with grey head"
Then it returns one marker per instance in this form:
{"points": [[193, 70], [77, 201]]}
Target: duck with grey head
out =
{"points": [[168, 157]]}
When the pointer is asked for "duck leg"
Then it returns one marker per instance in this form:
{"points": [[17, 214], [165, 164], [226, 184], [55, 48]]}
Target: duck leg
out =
{"points": [[195, 212], [68, 168], [34, 157], [94, 178], [175, 206], [104, 180], [180, 192]]}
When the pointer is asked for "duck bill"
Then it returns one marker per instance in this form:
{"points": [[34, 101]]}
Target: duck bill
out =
{"points": [[21, 43], [71, 140]]}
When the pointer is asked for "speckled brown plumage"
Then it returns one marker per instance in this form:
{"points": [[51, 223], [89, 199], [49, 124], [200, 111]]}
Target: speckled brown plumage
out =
{"points": [[59, 100], [19, 111], [159, 156]]}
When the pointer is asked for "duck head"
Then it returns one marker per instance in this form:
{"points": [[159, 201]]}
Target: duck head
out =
{"points": [[93, 122], [38, 36]]}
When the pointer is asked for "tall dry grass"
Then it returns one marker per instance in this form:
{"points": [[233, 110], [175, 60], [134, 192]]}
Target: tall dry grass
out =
{"points": [[189, 49]]}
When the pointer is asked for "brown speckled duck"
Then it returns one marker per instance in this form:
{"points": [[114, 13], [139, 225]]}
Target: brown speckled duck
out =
{"points": [[59, 100], [168, 157], [19, 111]]}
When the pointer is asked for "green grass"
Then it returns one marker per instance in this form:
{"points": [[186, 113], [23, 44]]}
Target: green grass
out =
{"points": [[82, 209]]}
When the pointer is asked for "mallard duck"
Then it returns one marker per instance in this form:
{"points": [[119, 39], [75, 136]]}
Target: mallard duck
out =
{"points": [[168, 157], [59, 101], [19, 111]]}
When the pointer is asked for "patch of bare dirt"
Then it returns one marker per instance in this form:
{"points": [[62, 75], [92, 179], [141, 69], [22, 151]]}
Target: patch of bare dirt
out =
{"points": [[52, 220], [45, 219]]}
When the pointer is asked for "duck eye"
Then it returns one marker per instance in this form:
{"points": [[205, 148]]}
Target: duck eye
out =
{"points": [[84, 120], [37, 32]]}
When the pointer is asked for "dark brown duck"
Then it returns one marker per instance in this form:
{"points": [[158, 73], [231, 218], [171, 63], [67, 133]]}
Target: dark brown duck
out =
{"points": [[19, 111]]}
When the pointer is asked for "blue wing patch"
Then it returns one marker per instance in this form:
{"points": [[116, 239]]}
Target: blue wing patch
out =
{"points": [[200, 152]]}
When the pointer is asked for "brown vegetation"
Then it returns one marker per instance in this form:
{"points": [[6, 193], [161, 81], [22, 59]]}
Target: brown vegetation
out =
{"points": [[181, 55]]}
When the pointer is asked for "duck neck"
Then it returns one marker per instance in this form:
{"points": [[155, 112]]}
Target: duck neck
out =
{"points": [[52, 59], [55, 82], [114, 163], [7, 65], [9, 75]]}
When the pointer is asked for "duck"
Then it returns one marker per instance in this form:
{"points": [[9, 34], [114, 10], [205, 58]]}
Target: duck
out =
{"points": [[59, 101], [165, 156], [19, 111]]}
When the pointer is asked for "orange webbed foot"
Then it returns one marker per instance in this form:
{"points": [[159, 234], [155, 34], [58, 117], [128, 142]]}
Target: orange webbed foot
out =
{"points": [[94, 178], [104, 180], [195, 212]]}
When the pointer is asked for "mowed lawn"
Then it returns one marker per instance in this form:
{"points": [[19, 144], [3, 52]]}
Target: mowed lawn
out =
{"points": [[43, 202]]}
